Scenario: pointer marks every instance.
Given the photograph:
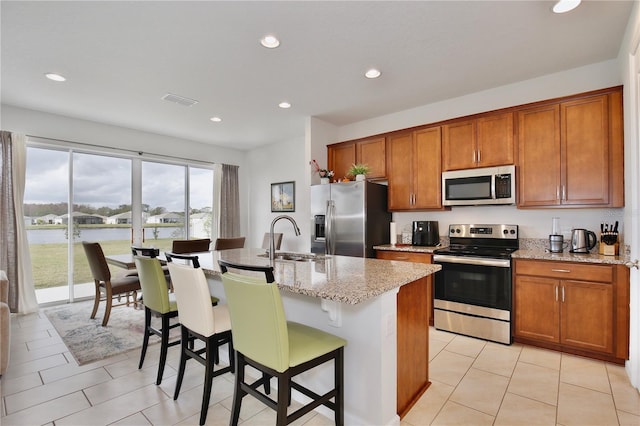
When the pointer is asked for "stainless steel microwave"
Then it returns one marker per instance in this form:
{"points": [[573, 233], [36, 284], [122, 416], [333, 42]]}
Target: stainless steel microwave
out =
{"points": [[487, 185]]}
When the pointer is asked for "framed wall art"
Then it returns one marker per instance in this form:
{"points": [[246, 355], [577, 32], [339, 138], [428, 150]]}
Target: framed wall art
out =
{"points": [[283, 197]]}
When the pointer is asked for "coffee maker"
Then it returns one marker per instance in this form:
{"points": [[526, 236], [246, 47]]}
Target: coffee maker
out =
{"points": [[425, 233]]}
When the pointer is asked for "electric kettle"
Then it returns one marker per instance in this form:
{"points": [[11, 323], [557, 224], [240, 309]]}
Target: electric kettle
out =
{"points": [[582, 241]]}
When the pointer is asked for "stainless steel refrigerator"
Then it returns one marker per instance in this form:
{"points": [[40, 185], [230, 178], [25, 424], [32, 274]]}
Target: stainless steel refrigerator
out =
{"points": [[349, 218]]}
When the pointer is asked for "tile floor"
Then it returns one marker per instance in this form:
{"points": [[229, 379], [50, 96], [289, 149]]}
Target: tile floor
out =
{"points": [[473, 383]]}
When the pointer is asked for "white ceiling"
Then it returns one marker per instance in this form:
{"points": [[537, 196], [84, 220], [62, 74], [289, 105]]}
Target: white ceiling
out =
{"points": [[120, 58]]}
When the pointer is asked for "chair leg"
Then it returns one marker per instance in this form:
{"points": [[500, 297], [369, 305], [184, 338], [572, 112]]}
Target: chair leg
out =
{"points": [[164, 347], [145, 339], [283, 399], [96, 301], [183, 360], [238, 393], [339, 383], [210, 350], [107, 310]]}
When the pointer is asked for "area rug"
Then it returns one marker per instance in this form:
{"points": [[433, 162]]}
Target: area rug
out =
{"points": [[88, 340]]}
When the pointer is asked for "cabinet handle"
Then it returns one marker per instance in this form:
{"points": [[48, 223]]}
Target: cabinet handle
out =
{"points": [[401, 258], [564, 193], [566, 271], [556, 293], [558, 192], [562, 294], [474, 156], [478, 156]]}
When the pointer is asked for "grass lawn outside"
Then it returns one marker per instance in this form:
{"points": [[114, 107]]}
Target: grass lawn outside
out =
{"points": [[49, 261]]}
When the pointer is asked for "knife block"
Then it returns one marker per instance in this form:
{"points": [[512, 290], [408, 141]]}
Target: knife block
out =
{"points": [[609, 249]]}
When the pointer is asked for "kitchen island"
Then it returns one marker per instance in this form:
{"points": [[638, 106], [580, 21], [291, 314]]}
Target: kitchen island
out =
{"points": [[359, 300]]}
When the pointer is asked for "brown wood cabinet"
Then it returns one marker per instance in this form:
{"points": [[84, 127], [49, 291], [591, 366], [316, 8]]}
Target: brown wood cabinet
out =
{"points": [[414, 173], [371, 152], [571, 153], [415, 308], [481, 142], [412, 257], [574, 307], [340, 158]]}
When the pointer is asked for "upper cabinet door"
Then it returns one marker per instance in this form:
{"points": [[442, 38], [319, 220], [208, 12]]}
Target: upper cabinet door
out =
{"points": [[400, 172], [427, 171], [538, 172], [372, 152], [459, 145], [341, 157], [585, 155], [495, 140], [482, 142]]}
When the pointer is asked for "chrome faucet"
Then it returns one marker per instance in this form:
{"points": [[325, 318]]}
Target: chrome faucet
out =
{"points": [[272, 245]]}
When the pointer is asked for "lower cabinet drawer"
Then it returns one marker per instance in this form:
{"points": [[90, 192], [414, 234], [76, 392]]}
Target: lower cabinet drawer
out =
{"points": [[404, 256], [565, 270]]}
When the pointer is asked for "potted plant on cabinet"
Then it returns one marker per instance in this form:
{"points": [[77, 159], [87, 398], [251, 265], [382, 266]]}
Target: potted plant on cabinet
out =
{"points": [[359, 171]]}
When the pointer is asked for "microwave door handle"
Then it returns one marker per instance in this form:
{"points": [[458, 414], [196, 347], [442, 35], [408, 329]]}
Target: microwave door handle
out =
{"points": [[493, 187]]}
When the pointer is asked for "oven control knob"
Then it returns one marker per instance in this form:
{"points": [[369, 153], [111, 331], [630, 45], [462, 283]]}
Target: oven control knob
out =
{"points": [[513, 231], [505, 231]]}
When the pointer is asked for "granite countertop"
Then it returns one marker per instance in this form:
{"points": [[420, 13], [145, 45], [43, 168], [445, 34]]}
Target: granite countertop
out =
{"points": [[566, 256], [530, 249], [407, 248], [345, 279]]}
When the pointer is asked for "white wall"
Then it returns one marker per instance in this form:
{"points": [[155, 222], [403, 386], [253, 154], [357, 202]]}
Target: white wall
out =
{"points": [[279, 162], [628, 74], [45, 125]]}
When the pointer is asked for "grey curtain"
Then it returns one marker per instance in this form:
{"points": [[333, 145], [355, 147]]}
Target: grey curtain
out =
{"points": [[15, 258], [229, 202], [8, 239]]}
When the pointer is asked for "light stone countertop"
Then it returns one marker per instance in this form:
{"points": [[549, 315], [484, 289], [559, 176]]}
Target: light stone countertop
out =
{"points": [[566, 256], [407, 248], [530, 249], [345, 279]]}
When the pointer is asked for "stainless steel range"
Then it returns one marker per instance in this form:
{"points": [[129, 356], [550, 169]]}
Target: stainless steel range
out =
{"points": [[473, 289]]}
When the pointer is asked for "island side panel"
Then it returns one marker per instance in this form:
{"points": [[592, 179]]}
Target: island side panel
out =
{"points": [[413, 302], [370, 355], [370, 367]]}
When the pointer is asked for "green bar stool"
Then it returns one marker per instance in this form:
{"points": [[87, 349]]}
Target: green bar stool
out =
{"points": [[266, 341], [157, 302]]}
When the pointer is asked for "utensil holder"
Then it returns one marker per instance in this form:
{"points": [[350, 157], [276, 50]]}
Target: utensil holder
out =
{"points": [[609, 245]]}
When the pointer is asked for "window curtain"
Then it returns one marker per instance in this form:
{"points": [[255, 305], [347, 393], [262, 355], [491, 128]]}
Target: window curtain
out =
{"points": [[229, 201], [15, 258]]}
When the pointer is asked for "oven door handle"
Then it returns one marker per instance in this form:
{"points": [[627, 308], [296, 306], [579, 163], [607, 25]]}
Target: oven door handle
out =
{"points": [[480, 261]]}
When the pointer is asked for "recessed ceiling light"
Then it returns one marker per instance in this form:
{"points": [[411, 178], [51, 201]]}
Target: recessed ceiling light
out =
{"points": [[284, 105], [55, 77], [216, 119], [563, 6], [270, 41], [372, 73]]}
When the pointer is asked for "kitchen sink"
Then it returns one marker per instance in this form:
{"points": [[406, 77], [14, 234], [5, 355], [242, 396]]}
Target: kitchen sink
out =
{"points": [[295, 257]]}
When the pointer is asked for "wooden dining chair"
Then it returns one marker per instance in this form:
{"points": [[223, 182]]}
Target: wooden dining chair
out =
{"points": [[111, 287], [191, 246], [266, 341], [229, 243], [277, 240]]}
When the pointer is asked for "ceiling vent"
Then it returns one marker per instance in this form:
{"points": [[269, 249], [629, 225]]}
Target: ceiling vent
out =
{"points": [[180, 100]]}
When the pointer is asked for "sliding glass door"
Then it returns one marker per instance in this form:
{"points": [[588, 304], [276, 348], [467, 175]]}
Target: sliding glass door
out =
{"points": [[163, 204], [45, 204], [73, 196], [101, 191]]}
